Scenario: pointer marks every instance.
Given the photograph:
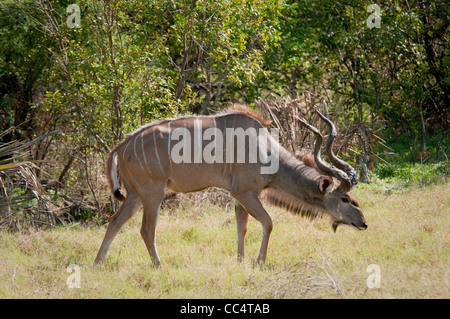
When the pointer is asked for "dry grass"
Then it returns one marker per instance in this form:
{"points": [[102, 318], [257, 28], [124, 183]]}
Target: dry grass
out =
{"points": [[407, 238], [302, 280]]}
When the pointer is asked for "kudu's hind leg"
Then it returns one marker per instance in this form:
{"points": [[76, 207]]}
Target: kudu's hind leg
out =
{"points": [[252, 204], [152, 203], [241, 224], [128, 208]]}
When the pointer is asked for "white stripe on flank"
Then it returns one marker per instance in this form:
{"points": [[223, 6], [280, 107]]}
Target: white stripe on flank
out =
{"points": [[135, 154], [143, 154], [125, 150], [156, 152], [123, 157]]}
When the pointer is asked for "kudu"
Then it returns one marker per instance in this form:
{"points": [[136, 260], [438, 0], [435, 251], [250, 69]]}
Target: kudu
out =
{"points": [[149, 160]]}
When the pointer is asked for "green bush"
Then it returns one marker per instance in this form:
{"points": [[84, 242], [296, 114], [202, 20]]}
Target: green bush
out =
{"points": [[413, 174]]}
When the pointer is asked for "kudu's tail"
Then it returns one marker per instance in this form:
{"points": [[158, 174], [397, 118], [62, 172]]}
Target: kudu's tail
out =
{"points": [[112, 174]]}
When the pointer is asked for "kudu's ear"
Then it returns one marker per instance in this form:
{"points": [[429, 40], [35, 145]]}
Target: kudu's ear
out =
{"points": [[326, 184]]}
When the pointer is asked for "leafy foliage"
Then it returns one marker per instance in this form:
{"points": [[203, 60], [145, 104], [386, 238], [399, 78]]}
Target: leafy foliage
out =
{"points": [[414, 173]]}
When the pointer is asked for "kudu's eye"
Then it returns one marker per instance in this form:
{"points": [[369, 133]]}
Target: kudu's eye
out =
{"points": [[345, 199]]}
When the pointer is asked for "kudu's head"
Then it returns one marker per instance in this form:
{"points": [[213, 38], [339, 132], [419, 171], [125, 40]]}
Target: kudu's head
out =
{"points": [[336, 183]]}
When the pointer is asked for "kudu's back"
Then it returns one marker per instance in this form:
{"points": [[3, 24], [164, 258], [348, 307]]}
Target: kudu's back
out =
{"points": [[227, 150]]}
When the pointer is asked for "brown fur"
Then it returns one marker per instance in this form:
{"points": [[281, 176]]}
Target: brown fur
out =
{"points": [[234, 108], [243, 109], [292, 204], [308, 158]]}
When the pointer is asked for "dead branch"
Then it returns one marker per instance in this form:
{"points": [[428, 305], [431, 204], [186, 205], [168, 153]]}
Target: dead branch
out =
{"points": [[355, 143]]}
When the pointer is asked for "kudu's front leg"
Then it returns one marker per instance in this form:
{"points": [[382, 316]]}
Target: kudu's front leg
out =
{"points": [[241, 225], [250, 201]]}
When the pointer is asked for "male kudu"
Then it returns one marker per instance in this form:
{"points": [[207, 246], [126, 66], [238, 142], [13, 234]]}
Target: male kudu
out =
{"points": [[150, 159]]}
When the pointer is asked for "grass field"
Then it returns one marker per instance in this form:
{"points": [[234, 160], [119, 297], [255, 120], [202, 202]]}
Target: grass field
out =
{"points": [[407, 238]]}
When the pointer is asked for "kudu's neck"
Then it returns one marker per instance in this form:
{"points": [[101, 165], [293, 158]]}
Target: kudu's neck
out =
{"points": [[296, 178]]}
